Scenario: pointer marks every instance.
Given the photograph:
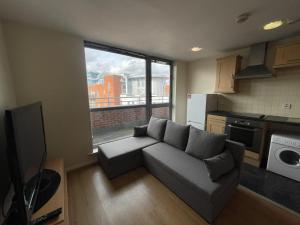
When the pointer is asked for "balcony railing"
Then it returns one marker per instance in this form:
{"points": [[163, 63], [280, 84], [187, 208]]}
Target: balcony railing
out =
{"points": [[110, 121], [115, 122], [100, 102]]}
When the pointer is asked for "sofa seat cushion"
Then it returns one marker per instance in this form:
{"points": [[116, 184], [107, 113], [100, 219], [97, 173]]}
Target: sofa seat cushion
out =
{"points": [[123, 155], [191, 171], [123, 146]]}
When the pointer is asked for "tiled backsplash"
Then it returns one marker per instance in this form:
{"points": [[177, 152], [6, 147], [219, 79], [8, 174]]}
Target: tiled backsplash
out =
{"points": [[266, 96]]}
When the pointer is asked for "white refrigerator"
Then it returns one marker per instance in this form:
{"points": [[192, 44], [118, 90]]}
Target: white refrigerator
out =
{"points": [[197, 107]]}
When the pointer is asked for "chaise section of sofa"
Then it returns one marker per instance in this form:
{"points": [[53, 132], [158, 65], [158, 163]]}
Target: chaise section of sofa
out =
{"points": [[120, 156], [188, 178], [123, 155]]}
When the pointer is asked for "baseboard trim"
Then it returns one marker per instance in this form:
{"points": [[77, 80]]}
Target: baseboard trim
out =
{"points": [[82, 164]]}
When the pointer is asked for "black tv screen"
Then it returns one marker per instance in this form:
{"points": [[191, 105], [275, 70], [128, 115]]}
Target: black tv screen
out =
{"points": [[26, 152], [29, 139]]}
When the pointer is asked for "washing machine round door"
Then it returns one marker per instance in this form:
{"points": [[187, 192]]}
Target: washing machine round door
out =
{"points": [[288, 157]]}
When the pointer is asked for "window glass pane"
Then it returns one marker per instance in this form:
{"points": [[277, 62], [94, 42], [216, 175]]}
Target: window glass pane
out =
{"points": [[160, 84], [114, 79], [161, 112], [108, 125]]}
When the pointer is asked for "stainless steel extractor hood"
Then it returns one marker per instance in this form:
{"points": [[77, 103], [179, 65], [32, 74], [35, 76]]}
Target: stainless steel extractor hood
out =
{"points": [[256, 67]]}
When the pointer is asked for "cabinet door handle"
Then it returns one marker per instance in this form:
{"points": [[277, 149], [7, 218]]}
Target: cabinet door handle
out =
{"points": [[232, 80], [242, 128]]}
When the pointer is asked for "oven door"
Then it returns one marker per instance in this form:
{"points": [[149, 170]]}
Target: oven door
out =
{"points": [[251, 137]]}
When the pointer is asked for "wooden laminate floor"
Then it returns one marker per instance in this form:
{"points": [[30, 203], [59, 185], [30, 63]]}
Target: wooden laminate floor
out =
{"points": [[138, 198]]}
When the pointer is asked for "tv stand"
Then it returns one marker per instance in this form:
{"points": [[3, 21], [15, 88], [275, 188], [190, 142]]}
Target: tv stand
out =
{"points": [[59, 198]]}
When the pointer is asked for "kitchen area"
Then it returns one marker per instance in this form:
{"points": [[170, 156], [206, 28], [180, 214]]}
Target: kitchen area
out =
{"points": [[254, 98]]}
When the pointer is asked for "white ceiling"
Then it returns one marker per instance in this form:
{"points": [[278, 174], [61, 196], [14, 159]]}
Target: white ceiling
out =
{"points": [[166, 28]]}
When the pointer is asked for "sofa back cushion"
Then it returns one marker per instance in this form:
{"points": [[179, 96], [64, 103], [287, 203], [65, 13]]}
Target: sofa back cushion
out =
{"points": [[203, 145], [156, 128], [176, 135]]}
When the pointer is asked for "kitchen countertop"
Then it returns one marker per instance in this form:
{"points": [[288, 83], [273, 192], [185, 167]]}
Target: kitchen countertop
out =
{"points": [[266, 118]]}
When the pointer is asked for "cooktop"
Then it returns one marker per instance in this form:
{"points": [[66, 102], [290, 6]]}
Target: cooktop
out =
{"points": [[247, 115], [260, 117]]}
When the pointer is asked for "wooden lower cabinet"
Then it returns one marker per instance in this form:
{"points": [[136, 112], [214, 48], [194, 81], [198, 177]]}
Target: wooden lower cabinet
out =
{"points": [[252, 158], [216, 124]]}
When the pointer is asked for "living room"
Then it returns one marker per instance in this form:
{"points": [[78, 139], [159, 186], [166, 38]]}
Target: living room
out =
{"points": [[99, 71]]}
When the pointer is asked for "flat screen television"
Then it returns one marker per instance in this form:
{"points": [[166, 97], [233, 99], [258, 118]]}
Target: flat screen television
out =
{"points": [[26, 154]]}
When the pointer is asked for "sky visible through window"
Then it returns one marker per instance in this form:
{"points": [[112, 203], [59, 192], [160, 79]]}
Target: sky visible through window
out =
{"points": [[103, 62]]}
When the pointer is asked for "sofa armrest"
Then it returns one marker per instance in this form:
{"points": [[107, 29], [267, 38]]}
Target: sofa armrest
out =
{"points": [[140, 131], [237, 149]]}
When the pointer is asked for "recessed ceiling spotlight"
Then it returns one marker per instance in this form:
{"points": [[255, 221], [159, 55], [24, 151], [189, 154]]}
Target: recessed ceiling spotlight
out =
{"points": [[196, 49], [273, 25]]}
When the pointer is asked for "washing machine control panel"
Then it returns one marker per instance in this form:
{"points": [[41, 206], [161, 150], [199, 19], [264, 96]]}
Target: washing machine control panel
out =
{"points": [[284, 140]]}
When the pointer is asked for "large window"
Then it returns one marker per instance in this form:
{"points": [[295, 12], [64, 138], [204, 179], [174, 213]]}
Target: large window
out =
{"points": [[125, 88], [160, 88]]}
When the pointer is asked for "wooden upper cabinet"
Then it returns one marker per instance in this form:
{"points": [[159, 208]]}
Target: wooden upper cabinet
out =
{"points": [[287, 55], [226, 69]]}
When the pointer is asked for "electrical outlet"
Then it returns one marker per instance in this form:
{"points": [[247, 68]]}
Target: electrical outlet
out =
{"points": [[287, 105]]}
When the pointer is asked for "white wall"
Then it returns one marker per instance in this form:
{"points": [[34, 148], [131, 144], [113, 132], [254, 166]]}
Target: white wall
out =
{"points": [[7, 95], [49, 66], [180, 92], [201, 76], [7, 100]]}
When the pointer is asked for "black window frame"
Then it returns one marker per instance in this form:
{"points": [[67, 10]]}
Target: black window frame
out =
{"points": [[148, 59]]}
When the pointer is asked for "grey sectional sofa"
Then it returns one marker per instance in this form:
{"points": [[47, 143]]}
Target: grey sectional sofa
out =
{"points": [[161, 149]]}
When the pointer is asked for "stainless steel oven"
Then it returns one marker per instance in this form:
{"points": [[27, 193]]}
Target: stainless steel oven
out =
{"points": [[248, 132]]}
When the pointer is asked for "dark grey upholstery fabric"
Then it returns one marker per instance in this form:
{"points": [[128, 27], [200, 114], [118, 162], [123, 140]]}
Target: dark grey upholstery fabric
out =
{"points": [[237, 150], [123, 146], [219, 165], [156, 128], [120, 156], [140, 131], [203, 145], [187, 177], [176, 135]]}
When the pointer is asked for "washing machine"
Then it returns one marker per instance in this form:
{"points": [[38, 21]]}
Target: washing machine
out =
{"points": [[284, 155]]}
